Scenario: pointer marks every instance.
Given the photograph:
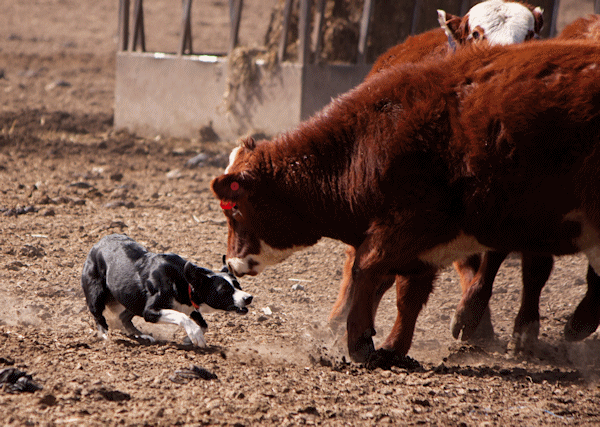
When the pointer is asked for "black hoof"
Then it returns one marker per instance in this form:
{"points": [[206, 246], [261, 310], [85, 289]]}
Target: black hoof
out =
{"points": [[576, 330], [385, 359], [362, 348]]}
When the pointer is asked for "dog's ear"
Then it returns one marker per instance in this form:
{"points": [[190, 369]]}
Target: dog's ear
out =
{"points": [[225, 269], [195, 276]]}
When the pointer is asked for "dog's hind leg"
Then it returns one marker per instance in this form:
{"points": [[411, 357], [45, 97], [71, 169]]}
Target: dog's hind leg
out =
{"points": [[127, 325], [96, 297], [123, 318]]}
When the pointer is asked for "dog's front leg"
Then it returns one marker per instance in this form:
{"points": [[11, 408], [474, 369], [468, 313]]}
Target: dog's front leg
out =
{"points": [[174, 317], [197, 317]]}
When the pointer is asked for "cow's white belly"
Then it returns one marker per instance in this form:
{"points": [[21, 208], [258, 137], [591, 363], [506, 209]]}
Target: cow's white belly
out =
{"points": [[460, 247]]}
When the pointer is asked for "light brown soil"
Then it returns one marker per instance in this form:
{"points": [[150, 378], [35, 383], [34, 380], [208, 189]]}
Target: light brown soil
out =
{"points": [[81, 180]]}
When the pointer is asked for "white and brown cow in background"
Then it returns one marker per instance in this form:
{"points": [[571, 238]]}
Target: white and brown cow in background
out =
{"points": [[490, 149], [496, 22]]}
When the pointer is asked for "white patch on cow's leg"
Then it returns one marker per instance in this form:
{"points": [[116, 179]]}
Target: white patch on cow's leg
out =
{"points": [[589, 239], [525, 340], [460, 247], [255, 263], [193, 331], [593, 256]]}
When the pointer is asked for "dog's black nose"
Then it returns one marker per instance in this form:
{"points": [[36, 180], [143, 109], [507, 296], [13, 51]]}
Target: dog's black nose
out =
{"points": [[248, 300]]}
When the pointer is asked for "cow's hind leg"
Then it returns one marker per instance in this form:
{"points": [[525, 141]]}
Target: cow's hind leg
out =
{"points": [[586, 318], [536, 270], [476, 295]]}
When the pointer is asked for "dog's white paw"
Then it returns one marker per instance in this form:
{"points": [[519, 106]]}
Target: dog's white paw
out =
{"points": [[193, 331], [149, 338], [197, 337], [195, 334]]}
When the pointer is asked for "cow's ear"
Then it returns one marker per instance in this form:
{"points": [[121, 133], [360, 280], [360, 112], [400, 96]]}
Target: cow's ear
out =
{"points": [[451, 25], [232, 186], [538, 19]]}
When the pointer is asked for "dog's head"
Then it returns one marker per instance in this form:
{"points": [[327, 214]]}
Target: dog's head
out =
{"points": [[215, 290]]}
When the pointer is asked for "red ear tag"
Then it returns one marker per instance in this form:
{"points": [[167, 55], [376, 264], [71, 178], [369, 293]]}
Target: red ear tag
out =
{"points": [[234, 186], [226, 205]]}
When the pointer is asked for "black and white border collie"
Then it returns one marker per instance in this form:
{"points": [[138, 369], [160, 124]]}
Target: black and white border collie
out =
{"points": [[121, 275]]}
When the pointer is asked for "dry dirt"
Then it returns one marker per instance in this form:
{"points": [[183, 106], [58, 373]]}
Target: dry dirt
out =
{"points": [[68, 179]]}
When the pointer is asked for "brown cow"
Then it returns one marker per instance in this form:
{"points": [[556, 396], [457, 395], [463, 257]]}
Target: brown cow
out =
{"points": [[587, 28], [493, 22], [428, 163], [536, 269]]}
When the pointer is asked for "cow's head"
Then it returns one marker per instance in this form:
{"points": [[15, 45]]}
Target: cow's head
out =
{"points": [[498, 22], [264, 228]]}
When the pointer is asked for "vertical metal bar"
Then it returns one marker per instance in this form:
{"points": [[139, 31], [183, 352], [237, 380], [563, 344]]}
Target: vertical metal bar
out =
{"points": [[285, 25], [138, 28], [554, 18], [597, 7], [318, 30], [365, 23], [303, 32], [464, 7], [186, 28], [235, 15], [414, 27], [123, 24]]}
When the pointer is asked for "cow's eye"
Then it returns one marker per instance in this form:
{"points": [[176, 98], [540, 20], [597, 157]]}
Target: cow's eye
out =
{"points": [[476, 35]]}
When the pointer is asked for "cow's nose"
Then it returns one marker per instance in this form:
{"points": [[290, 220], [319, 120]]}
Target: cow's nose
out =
{"points": [[248, 300]]}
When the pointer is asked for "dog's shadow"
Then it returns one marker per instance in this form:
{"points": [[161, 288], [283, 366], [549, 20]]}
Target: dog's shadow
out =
{"points": [[133, 342]]}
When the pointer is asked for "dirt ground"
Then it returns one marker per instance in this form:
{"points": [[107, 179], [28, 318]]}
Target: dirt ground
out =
{"points": [[68, 178]]}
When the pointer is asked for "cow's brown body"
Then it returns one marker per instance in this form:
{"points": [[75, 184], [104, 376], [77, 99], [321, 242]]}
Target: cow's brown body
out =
{"points": [[472, 317], [432, 44], [426, 164], [585, 28]]}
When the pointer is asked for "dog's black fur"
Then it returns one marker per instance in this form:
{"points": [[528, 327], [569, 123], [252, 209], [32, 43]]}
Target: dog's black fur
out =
{"points": [[121, 275]]}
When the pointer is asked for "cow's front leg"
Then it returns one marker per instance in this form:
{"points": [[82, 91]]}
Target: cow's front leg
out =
{"points": [[412, 293], [536, 270], [339, 312], [366, 291], [586, 317]]}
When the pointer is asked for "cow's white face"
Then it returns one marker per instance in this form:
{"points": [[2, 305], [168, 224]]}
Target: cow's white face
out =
{"points": [[261, 231], [254, 263], [502, 22]]}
